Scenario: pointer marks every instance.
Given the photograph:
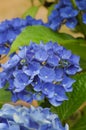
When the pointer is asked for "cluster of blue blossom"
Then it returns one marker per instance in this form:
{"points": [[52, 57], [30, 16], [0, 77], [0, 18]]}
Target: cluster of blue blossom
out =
{"points": [[10, 29], [40, 71], [22, 118], [65, 13]]}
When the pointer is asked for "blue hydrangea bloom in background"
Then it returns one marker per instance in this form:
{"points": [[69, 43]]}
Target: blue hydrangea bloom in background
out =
{"points": [[10, 29], [65, 13], [40, 71], [81, 4], [22, 118]]}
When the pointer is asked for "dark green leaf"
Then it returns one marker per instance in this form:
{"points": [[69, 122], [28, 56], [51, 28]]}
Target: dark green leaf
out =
{"points": [[5, 96], [81, 123], [76, 98], [83, 64]]}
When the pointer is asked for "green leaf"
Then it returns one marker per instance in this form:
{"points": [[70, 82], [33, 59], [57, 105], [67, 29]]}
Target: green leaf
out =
{"points": [[81, 123], [50, 9], [5, 96], [31, 11], [41, 33], [83, 64], [37, 34], [76, 98]]}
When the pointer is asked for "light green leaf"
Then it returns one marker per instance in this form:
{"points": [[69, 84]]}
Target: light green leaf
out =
{"points": [[76, 98], [37, 34], [41, 33], [31, 11]]}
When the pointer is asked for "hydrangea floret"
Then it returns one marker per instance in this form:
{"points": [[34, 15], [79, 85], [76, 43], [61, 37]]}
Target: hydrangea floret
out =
{"points": [[64, 13], [40, 71], [67, 12], [23, 118], [10, 29]]}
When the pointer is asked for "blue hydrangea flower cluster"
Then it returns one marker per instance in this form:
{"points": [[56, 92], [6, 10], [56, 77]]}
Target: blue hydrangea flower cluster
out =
{"points": [[81, 4], [22, 118], [10, 29], [40, 71], [65, 13]]}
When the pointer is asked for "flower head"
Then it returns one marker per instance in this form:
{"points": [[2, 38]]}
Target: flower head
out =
{"points": [[22, 118], [66, 12], [10, 29], [37, 75], [81, 4]]}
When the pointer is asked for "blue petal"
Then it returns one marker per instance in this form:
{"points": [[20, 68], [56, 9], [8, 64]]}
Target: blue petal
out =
{"points": [[53, 15], [11, 35], [53, 60], [4, 26], [3, 126], [81, 4], [4, 50], [41, 55], [3, 76], [67, 83], [74, 59], [84, 18], [48, 89], [60, 93], [25, 96], [21, 80], [72, 70], [37, 84], [71, 23], [56, 23], [3, 37], [22, 52], [67, 2], [57, 48], [65, 54], [48, 46], [17, 23], [54, 102], [47, 74], [59, 74], [68, 12], [33, 69]]}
